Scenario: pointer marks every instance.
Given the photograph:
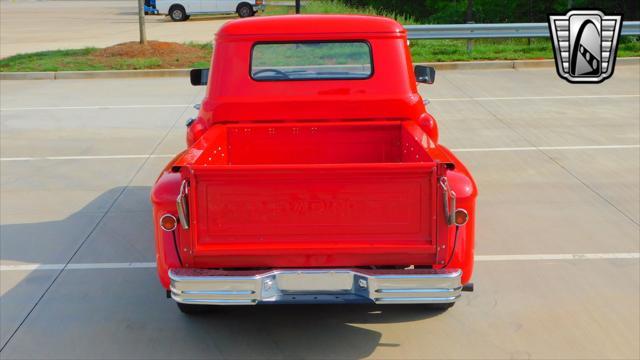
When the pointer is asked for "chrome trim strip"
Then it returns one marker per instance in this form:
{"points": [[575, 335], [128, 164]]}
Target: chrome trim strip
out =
{"points": [[444, 275], [416, 300], [216, 287], [392, 291], [218, 302], [218, 292]]}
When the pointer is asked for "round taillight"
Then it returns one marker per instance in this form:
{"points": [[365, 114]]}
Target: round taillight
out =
{"points": [[461, 217], [168, 222]]}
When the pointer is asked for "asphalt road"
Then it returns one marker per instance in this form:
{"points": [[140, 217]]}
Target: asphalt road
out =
{"points": [[557, 165], [36, 25]]}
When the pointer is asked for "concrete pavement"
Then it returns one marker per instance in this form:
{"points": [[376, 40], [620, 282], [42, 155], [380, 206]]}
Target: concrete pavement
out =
{"points": [[35, 25], [557, 165]]}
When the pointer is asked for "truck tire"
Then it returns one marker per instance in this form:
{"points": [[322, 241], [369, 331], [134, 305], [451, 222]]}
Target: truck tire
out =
{"points": [[191, 309], [245, 10], [177, 13]]}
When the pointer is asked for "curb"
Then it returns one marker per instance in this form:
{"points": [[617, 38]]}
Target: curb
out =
{"points": [[108, 74], [484, 65], [116, 74]]}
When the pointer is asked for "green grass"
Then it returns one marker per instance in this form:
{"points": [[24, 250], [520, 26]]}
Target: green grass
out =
{"points": [[456, 50], [85, 60], [56, 60], [421, 50], [136, 64], [201, 64]]}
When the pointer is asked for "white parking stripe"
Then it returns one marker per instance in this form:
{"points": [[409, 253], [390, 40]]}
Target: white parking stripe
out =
{"points": [[534, 257], [97, 157], [90, 107], [89, 266], [482, 258], [565, 97], [531, 148], [142, 106], [526, 148]]}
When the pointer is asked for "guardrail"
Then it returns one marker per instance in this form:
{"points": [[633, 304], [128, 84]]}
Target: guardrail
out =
{"points": [[494, 31]]}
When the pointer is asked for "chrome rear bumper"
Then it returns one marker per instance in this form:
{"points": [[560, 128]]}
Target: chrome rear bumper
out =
{"points": [[410, 286]]}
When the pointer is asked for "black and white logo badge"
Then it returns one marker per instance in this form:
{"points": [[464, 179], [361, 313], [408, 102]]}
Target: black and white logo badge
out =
{"points": [[585, 44]]}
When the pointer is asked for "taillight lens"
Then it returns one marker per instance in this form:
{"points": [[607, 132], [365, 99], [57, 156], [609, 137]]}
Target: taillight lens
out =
{"points": [[168, 222], [461, 217]]}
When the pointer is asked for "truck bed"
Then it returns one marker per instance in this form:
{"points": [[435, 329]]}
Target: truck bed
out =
{"points": [[313, 195]]}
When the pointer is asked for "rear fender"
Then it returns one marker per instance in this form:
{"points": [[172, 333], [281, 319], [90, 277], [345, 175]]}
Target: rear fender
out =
{"points": [[163, 199], [461, 182], [166, 256]]}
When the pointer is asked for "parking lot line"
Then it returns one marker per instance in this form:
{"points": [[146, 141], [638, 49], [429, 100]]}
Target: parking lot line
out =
{"points": [[140, 156], [96, 157], [30, 267], [531, 148], [90, 107], [538, 257], [135, 106], [560, 97], [483, 258]]}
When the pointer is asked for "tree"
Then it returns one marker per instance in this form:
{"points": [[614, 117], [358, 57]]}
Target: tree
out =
{"points": [[469, 13], [143, 32]]}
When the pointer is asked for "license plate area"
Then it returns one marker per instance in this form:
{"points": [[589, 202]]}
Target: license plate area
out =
{"points": [[305, 282]]}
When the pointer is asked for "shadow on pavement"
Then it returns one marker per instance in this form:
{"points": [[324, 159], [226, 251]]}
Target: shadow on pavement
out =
{"points": [[115, 311], [310, 331]]}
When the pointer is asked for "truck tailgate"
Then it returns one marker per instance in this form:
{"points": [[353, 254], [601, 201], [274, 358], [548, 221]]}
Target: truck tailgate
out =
{"points": [[313, 215]]}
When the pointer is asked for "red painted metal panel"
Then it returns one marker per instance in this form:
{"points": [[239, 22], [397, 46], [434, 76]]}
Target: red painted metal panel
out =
{"points": [[312, 208], [312, 189]]}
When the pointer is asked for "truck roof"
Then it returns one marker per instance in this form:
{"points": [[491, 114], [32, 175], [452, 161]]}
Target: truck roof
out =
{"points": [[233, 96], [310, 24]]}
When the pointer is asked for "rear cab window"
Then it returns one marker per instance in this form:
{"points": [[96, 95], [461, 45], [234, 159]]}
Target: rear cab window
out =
{"points": [[311, 60]]}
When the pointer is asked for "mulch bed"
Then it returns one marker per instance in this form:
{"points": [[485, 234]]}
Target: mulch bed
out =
{"points": [[169, 54]]}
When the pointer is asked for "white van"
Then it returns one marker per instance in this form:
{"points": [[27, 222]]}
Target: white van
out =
{"points": [[181, 10]]}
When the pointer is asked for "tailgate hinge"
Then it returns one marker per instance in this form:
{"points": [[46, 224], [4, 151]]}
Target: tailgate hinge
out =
{"points": [[182, 204], [449, 200]]}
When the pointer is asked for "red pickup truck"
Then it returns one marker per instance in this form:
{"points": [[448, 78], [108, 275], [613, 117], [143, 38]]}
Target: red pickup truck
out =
{"points": [[313, 174]]}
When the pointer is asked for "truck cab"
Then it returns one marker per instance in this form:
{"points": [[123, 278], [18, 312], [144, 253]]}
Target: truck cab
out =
{"points": [[313, 173]]}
